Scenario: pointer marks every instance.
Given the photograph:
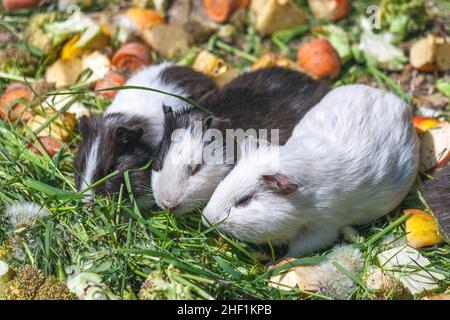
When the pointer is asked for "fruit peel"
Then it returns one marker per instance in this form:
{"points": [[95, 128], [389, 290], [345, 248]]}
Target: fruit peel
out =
{"points": [[422, 229]]}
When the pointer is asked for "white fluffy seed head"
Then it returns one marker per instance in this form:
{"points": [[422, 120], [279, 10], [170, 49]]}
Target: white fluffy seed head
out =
{"points": [[24, 215], [348, 257], [332, 281], [335, 284]]}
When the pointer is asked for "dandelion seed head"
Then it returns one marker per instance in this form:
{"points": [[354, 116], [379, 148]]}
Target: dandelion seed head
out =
{"points": [[347, 256], [333, 283], [24, 215]]}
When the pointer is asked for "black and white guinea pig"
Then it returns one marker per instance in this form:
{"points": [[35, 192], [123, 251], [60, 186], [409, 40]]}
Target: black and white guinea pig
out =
{"points": [[126, 136], [272, 98], [351, 159], [436, 192]]}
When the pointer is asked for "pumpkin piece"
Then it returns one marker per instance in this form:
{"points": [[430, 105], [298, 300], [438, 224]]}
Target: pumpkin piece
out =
{"points": [[215, 67], [421, 229], [269, 59], [142, 18], [276, 15], [422, 124]]}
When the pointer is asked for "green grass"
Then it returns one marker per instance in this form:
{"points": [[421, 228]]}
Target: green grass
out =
{"points": [[113, 238]]}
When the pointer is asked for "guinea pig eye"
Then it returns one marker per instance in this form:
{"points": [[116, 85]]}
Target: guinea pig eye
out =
{"points": [[194, 169], [243, 201], [110, 169]]}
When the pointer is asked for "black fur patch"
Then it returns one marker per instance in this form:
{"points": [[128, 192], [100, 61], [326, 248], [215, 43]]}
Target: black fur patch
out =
{"points": [[271, 98], [195, 83], [437, 195]]}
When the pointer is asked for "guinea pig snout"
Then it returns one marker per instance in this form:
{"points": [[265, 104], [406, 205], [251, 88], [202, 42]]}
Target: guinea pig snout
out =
{"points": [[169, 204]]}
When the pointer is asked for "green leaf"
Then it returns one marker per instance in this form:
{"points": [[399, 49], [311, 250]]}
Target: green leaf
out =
{"points": [[51, 191]]}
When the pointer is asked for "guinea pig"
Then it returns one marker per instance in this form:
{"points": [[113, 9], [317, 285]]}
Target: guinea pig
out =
{"points": [[351, 159], [126, 136], [272, 98]]}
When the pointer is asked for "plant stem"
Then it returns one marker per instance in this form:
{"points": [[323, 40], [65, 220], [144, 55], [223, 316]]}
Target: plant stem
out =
{"points": [[235, 51]]}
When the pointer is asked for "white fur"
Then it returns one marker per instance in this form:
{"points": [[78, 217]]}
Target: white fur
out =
{"points": [[174, 182], [353, 157], [92, 162], [146, 103]]}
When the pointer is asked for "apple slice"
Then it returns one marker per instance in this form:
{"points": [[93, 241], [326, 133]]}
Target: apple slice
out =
{"points": [[435, 147]]}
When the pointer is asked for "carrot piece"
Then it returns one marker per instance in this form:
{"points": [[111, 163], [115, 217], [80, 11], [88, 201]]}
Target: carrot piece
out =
{"points": [[132, 57], [10, 105], [243, 3], [112, 79], [319, 59], [330, 9], [51, 146], [220, 10], [11, 5], [143, 18]]}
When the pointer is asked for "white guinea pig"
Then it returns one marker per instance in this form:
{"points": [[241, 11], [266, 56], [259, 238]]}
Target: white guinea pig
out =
{"points": [[270, 98], [351, 159]]}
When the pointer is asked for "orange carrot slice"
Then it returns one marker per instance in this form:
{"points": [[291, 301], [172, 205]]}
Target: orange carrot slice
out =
{"points": [[51, 146], [319, 59], [11, 104], [220, 10], [112, 79], [11, 5], [132, 57]]}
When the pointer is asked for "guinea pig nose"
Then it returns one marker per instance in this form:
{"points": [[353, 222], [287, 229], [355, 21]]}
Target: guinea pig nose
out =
{"points": [[169, 204]]}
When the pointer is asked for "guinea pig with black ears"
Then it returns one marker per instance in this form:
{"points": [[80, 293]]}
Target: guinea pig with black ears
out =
{"points": [[272, 98], [352, 159], [126, 136]]}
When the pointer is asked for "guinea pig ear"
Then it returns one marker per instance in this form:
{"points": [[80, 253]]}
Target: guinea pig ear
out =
{"points": [[127, 135], [217, 123], [84, 126], [280, 183], [167, 110]]}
